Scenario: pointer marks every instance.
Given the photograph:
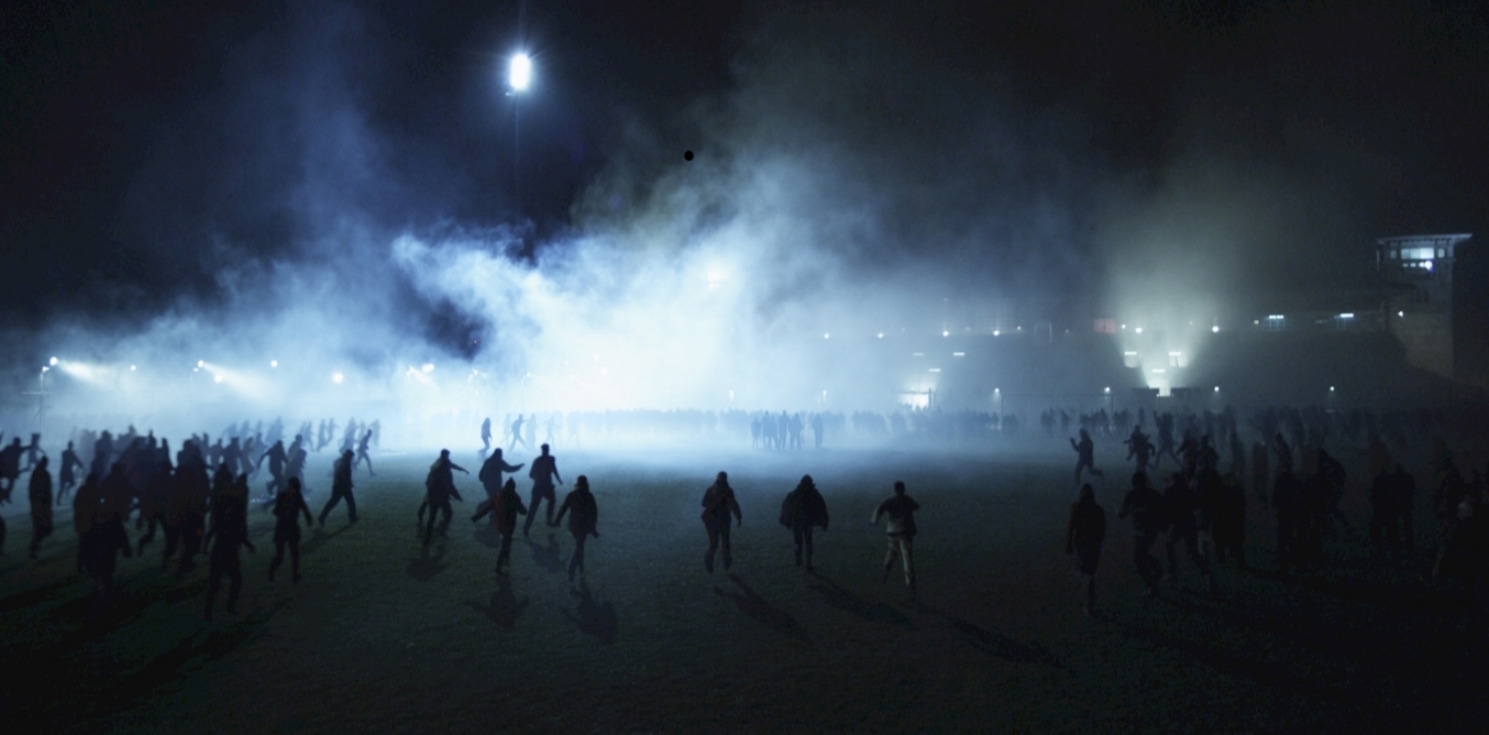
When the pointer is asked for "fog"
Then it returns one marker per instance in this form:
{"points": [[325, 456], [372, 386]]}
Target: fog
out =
{"points": [[855, 194]]}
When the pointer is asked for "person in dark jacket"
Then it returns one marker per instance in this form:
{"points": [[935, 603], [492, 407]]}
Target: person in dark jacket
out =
{"points": [[491, 481], [582, 520], [288, 505], [1146, 506], [901, 530], [543, 472], [153, 503], [341, 487], [507, 507], [801, 511], [1084, 534], [41, 504], [439, 487], [718, 504], [102, 542], [1181, 502], [228, 533], [1085, 455], [1287, 502]]}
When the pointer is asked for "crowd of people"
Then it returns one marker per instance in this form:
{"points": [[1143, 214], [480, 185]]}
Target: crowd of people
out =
{"points": [[198, 497]]}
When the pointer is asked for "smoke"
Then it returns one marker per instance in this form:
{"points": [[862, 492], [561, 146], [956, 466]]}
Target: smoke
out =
{"points": [[854, 180]]}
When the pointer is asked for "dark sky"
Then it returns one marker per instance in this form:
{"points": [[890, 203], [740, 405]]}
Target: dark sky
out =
{"points": [[145, 144]]}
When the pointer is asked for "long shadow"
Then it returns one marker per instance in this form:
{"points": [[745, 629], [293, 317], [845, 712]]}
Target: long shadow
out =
{"points": [[319, 537], [111, 690], [875, 612], [755, 606], [38, 595], [426, 566], [1001, 646], [547, 557], [504, 607], [596, 619], [489, 537]]}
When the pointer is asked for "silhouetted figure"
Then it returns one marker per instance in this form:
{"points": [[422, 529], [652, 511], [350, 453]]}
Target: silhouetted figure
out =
{"points": [[491, 481], [901, 530], [10, 468], [1385, 527], [1086, 455], [1149, 518], [65, 477], [41, 504], [288, 505], [102, 541], [277, 457], [817, 428], [486, 436], [1261, 473], [1404, 488], [801, 511], [153, 503], [439, 488], [718, 504], [1287, 503], [341, 488], [1139, 448], [584, 515], [517, 437], [187, 511], [33, 452], [1228, 527], [1182, 503], [1084, 534], [543, 472], [506, 507], [228, 533], [85, 504], [363, 455]]}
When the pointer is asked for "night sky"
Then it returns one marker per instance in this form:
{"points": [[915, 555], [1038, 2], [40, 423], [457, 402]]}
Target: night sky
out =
{"points": [[149, 147]]}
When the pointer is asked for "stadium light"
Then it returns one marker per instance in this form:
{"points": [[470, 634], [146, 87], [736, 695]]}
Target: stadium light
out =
{"points": [[1215, 329], [428, 367], [337, 378], [52, 362], [273, 363], [520, 73]]}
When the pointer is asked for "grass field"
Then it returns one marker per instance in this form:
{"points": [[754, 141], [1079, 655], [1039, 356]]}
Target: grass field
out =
{"points": [[379, 637]]}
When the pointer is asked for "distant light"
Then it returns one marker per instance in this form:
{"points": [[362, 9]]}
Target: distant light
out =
{"points": [[826, 335], [428, 367], [1275, 317], [1124, 326], [1217, 389], [1129, 354], [995, 390], [1256, 321], [44, 368], [958, 354], [1400, 313], [1175, 354], [1139, 330], [935, 370], [945, 333], [217, 378], [996, 332], [1331, 389], [521, 72], [1158, 370], [131, 368], [1346, 315], [201, 363], [337, 378], [1107, 389], [1215, 329], [881, 335], [273, 363], [1020, 329], [52, 362], [917, 354]]}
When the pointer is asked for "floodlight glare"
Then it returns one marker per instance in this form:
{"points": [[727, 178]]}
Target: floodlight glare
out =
{"points": [[945, 333], [273, 363], [201, 363], [428, 367], [131, 368], [337, 378], [1215, 329], [521, 72], [53, 362]]}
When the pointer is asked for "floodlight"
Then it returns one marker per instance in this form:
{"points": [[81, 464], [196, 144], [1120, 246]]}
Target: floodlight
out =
{"points": [[428, 367], [53, 362], [273, 363], [521, 72], [337, 378], [1215, 329]]}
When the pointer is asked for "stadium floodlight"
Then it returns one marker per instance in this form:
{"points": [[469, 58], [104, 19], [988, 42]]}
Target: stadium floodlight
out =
{"points": [[201, 363], [52, 362], [337, 378], [520, 73], [1139, 330], [1215, 329], [131, 368], [945, 333], [826, 335], [1217, 389], [997, 332], [1107, 389], [428, 367], [273, 363]]}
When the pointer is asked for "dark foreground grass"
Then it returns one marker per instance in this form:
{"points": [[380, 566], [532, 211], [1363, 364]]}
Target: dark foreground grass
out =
{"points": [[380, 637]]}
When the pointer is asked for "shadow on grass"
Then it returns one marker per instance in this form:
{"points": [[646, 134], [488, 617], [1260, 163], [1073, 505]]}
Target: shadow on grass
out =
{"points": [[489, 537], [427, 566], [755, 606], [874, 612], [504, 607], [1001, 646], [319, 537], [546, 557], [38, 595], [595, 619]]}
